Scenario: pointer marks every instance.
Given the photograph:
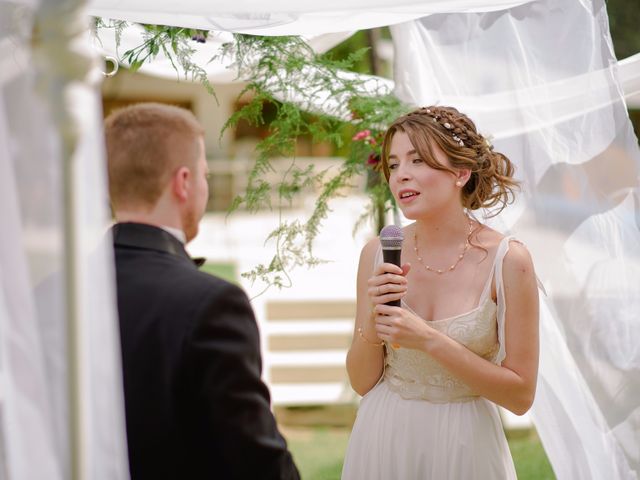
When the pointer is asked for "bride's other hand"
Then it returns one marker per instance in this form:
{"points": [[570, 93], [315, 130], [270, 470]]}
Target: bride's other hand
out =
{"points": [[401, 328], [388, 283]]}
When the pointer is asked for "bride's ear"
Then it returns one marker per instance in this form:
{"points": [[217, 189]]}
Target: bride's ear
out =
{"points": [[462, 176]]}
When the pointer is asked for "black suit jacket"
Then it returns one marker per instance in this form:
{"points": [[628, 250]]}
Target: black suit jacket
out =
{"points": [[195, 405]]}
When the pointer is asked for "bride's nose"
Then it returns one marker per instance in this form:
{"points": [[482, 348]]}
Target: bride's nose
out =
{"points": [[403, 172]]}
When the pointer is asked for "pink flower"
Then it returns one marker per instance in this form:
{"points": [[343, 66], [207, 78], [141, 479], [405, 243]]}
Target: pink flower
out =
{"points": [[362, 135]]}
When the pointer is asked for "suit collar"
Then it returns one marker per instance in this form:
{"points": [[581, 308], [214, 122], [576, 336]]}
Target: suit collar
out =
{"points": [[140, 235]]}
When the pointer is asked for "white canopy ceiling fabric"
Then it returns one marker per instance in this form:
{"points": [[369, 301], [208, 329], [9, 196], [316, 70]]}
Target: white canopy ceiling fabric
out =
{"points": [[501, 108], [285, 17], [542, 79], [257, 8]]}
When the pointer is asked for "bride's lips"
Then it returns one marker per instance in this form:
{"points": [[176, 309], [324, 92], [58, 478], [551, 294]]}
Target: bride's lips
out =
{"points": [[407, 195]]}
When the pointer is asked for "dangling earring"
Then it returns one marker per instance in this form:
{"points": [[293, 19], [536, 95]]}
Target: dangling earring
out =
{"points": [[458, 183]]}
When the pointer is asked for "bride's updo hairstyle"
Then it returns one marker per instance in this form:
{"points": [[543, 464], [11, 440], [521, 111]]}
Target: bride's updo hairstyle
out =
{"points": [[490, 184]]}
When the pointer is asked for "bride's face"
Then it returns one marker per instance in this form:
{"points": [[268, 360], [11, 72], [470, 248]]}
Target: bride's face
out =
{"points": [[418, 188]]}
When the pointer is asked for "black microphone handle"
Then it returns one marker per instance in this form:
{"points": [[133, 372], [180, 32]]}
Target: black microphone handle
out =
{"points": [[392, 256]]}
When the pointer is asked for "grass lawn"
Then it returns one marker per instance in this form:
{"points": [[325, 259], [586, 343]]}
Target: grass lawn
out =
{"points": [[319, 451], [529, 457], [222, 270]]}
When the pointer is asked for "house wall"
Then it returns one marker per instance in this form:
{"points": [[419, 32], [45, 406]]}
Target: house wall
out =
{"points": [[126, 87]]}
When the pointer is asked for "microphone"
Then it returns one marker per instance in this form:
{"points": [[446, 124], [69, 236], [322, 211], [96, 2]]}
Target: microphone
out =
{"points": [[391, 239]]}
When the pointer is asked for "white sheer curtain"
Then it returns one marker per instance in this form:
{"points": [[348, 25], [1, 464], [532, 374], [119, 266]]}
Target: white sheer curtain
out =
{"points": [[50, 115], [542, 79], [26, 415]]}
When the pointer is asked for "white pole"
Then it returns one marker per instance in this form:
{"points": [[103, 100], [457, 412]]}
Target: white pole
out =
{"points": [[59, 25]]}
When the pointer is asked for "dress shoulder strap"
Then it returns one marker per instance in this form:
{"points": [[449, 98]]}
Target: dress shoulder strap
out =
{"points": [[486, 290], [503, 248]]}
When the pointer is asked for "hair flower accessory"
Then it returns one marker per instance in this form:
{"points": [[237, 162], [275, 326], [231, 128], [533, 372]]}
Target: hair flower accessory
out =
{"points": [[487, 141], [441, 120]]}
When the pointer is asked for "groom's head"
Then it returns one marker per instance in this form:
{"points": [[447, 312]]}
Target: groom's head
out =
{"points": [[157, 165]]}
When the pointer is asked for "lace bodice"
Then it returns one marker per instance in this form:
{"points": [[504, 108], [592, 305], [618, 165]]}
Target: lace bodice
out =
{"points": [[415, 375]]}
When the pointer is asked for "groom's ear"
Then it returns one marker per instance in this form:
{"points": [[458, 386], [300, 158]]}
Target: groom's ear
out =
{"points": [[180, 183]]}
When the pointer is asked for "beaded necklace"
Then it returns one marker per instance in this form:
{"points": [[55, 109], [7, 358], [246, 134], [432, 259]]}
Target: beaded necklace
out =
{"points": [[440, 271]]}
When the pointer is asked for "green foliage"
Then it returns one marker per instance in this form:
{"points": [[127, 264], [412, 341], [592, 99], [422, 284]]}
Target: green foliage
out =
{"points": [[174, 42], [286, 73], [359, 41], [624, 21]]}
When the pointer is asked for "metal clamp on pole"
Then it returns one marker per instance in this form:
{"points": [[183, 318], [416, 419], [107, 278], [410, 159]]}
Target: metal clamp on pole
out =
{"points": [[115, 66]]}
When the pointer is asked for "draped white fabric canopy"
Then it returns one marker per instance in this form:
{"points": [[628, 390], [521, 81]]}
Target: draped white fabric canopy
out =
{"points": [[286, 17], [539, 76]]}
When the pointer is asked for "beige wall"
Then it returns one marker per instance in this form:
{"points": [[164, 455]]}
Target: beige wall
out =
{"points": [[128, 87]]}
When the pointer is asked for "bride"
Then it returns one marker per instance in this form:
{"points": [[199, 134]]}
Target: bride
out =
{"points": [[465, 339]]}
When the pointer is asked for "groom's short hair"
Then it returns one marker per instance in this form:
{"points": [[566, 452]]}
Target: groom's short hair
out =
{"points": [[146, 143]]}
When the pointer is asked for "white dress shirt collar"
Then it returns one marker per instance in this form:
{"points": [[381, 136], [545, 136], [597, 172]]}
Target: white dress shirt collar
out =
{"points": [[179, 234]]}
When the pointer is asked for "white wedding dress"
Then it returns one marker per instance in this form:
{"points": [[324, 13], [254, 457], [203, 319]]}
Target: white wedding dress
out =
{"points": [[420, 422]]}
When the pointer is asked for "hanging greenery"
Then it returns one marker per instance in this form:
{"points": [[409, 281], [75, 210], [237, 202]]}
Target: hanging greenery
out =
{"points": [[286, 73]]}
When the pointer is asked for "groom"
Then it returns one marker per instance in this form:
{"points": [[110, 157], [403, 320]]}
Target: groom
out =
{"points": [[195, 405]]}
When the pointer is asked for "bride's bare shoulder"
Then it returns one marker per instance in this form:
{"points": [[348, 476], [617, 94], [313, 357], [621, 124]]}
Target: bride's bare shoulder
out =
{"points": [[487, 238], [369, 249]]}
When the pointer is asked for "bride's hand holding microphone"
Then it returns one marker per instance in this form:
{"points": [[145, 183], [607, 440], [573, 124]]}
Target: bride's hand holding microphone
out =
{"points": [[394, 324], [400, 327], [387, 287]]}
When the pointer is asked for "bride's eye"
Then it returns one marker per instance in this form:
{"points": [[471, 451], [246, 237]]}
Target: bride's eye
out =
{"points": [[393, 166], [417, 160]]}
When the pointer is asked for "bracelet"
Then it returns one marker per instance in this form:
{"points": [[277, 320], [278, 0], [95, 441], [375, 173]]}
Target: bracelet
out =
{"points": [[367, 341]]}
